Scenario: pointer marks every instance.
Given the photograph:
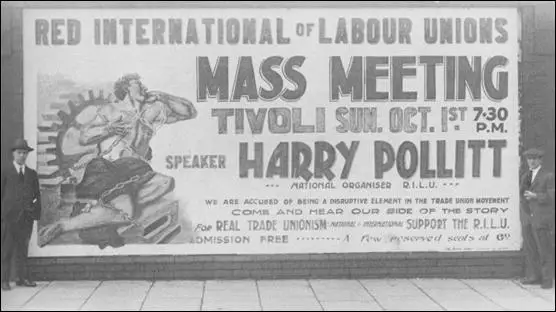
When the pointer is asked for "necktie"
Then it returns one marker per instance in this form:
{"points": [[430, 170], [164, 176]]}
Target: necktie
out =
{"points": [[530, 177], [527, 181], [20, 174]]}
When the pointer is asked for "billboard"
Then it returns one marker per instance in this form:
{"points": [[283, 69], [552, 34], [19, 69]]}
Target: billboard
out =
{"points": [[258, 131]]}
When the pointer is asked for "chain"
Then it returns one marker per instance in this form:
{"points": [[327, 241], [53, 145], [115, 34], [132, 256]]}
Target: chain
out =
{"points": [[119, 186], [83, 163], [138, 116]]}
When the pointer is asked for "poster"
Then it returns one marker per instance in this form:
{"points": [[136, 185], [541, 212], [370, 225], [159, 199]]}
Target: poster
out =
{"points": [[257, 131]]}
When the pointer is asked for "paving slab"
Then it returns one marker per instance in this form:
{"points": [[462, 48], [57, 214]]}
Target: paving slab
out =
{"points": [[282, 295]]}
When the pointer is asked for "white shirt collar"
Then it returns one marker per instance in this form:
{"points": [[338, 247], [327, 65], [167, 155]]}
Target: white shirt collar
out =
{"points": [[535, 171], [17, 166]]}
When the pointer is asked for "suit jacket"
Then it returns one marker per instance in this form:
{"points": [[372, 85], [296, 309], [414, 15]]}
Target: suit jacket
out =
{"points": [[20, 201], [539, 211]]}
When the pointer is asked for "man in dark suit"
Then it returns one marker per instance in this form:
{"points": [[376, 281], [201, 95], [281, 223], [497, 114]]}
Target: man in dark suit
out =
{"points": [[21, 205], [537, 215]]}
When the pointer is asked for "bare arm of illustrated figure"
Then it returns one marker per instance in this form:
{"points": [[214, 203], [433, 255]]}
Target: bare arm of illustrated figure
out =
{"points": [[177, 108]]}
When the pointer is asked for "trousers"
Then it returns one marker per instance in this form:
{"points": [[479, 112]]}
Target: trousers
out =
{"points": [[15, 242]]}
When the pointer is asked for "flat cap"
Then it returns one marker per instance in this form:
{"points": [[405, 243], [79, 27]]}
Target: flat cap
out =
{"points": [[533, 153]]}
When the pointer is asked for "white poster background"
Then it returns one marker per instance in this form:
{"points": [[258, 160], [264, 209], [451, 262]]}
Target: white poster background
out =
{"points": [[172, 69]]}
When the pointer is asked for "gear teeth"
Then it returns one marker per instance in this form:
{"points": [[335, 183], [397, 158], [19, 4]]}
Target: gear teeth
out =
{"points": [[56, 127], [66, 113], [46, 149], [46, 138], [49, 117], [73, 108], [52, 181], [64, 117], [48, 172], [47, 129]]}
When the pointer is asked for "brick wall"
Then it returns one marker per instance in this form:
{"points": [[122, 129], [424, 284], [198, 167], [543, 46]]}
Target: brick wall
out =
{"points": [[537, 79], [537, 100], [368, 265], [12, 80]]}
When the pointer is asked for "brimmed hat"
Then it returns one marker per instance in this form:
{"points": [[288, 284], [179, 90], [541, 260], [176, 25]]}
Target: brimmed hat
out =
{"points": [[533, 153], [21, 144]]}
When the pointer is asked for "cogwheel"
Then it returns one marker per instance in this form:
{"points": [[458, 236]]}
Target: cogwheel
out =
{"points": [[63, 161]]}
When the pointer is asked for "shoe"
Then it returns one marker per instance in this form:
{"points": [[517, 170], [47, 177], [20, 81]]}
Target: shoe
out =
{"points": [[547, 285], [6, 286], [531, 281], [26, 283]]}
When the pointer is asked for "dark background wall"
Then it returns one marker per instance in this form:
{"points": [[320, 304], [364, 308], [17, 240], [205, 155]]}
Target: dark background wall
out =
{"points": [[12, 79], [537, 78], [537, 130]]}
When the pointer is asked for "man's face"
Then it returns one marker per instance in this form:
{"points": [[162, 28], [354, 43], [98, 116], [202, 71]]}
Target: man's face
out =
{"points": [[533, 162], [137, 90], [20, 156]]}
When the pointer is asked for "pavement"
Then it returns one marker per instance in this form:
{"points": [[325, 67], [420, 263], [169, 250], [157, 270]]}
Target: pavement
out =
{"points": [[285, 295]]}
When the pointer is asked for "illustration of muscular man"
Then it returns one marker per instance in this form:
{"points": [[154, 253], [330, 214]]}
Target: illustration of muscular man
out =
{"points": [[113, 143]]}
